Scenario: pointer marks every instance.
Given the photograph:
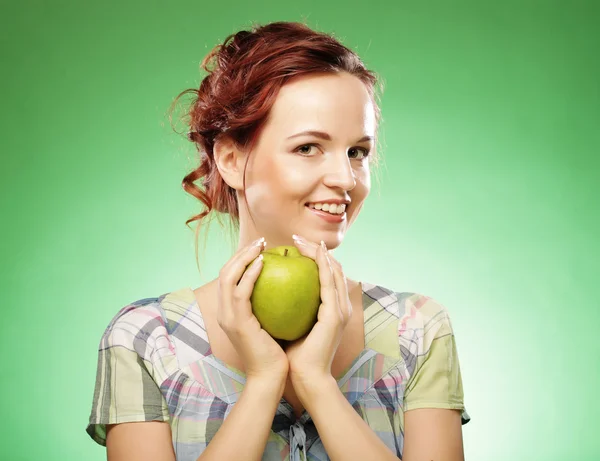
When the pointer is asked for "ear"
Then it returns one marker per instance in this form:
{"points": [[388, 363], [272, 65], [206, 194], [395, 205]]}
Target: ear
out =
{"points": [[230, 162]]}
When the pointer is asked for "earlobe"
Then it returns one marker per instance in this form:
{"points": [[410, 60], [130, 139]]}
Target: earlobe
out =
{"points": [[228, 160]]}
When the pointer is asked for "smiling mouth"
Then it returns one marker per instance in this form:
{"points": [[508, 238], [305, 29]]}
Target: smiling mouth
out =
{"points": [[328, 217], [336, 207]]}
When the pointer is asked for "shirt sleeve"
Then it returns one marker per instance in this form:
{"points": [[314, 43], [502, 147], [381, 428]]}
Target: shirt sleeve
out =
{"points": [[436, 380], [125, 390]]}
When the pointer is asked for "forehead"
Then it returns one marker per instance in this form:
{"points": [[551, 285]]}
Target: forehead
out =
{"points": [[336, 103]]}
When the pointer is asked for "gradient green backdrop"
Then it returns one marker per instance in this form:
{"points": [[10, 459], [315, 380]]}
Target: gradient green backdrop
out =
{"points": [[487, 199]]}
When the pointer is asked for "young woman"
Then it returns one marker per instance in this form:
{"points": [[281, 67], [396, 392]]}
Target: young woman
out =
{"points": [[286, 127]]}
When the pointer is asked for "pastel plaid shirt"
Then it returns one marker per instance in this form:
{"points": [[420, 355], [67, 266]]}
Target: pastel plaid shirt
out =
{"points": [[155, 364]]}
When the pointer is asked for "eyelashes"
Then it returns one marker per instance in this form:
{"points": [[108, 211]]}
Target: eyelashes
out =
{"points": [[364, 150]]}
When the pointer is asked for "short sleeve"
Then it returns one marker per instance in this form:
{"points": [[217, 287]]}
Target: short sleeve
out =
{"points": [[124, 390], [436, 381]]}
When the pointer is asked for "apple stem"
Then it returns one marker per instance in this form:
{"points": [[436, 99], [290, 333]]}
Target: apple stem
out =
{"points": [[285, 252]]}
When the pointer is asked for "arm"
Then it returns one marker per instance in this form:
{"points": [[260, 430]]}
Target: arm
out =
{"points": [[433, 405], [433, 434], [433, 398], [345, 436], [430, 433], [248, 425]]}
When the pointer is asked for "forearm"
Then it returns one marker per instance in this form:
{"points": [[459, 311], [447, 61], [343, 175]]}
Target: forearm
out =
{"points": [[345, 436], [248, 424]]}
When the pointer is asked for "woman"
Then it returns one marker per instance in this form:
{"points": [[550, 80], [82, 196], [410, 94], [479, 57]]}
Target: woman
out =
{"points": [[286, 127]]}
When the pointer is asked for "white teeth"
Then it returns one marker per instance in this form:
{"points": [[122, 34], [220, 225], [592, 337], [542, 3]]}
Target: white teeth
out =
{"points": [[330, 208]]}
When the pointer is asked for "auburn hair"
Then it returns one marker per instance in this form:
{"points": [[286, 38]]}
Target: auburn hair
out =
{"points": [[245, 74]]}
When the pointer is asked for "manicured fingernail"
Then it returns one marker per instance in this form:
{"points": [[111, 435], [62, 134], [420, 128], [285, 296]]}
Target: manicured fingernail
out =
{"points": [[256, 263], [260, 241], [297, 238], [323, 245]]}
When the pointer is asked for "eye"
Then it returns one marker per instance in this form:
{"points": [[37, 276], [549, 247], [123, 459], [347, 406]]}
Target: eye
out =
{"points": [[304, 145], [366, 152]]}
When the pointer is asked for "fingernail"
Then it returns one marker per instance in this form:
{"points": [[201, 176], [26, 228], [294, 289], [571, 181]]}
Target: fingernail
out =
{"points": [[297, 238], [256, 263], [260, 242], [323, 245]]}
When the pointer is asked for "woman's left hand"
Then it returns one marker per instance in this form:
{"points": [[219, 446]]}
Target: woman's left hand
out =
{"points": [[311, 356]]}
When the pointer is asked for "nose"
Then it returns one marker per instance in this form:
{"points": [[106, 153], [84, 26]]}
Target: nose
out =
{"points": [[340, 173]]}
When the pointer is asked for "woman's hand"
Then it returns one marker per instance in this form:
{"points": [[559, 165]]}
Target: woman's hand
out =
{"points": [[262, 356], [311, 356]]}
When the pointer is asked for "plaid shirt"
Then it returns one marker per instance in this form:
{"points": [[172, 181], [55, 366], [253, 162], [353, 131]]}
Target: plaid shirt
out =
{"points": [[155, 364]]}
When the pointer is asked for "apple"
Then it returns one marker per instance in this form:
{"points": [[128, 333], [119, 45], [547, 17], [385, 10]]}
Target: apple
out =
{"points": [[287, 293]]}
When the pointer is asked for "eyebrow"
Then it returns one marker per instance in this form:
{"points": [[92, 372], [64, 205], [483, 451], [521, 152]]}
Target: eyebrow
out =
{"points": [[323, 135]]}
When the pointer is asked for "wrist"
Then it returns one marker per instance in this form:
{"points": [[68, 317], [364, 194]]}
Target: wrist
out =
{"points": [[269, 385], [308, 387]]}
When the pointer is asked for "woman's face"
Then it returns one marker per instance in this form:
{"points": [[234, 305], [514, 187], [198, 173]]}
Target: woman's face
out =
{"points": [[285, 172]]}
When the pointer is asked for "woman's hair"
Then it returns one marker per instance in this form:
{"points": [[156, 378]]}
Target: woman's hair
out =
{"points": [[235, 98]]}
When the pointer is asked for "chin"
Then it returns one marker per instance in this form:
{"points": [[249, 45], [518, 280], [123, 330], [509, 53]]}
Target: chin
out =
{"points": [[333, 243]]}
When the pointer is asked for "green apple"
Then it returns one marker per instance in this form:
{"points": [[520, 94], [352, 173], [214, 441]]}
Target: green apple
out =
{"points": [[287, 293]]}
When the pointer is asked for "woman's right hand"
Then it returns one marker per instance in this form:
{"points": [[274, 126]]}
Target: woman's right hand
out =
{"points": [[262, 356]]}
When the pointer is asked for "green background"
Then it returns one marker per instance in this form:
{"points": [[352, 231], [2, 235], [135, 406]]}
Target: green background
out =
{"points": [[486, 200]]}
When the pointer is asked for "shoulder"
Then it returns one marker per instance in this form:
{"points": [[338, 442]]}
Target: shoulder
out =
{"points": [[166, 330], [138, 326], [415, 311], [421, 321], [420, 312], [425, 335]]}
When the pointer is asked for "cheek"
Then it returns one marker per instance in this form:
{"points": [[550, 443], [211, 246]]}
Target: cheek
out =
{"points": [[262, 198], [271, 192], [286, 180]]}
